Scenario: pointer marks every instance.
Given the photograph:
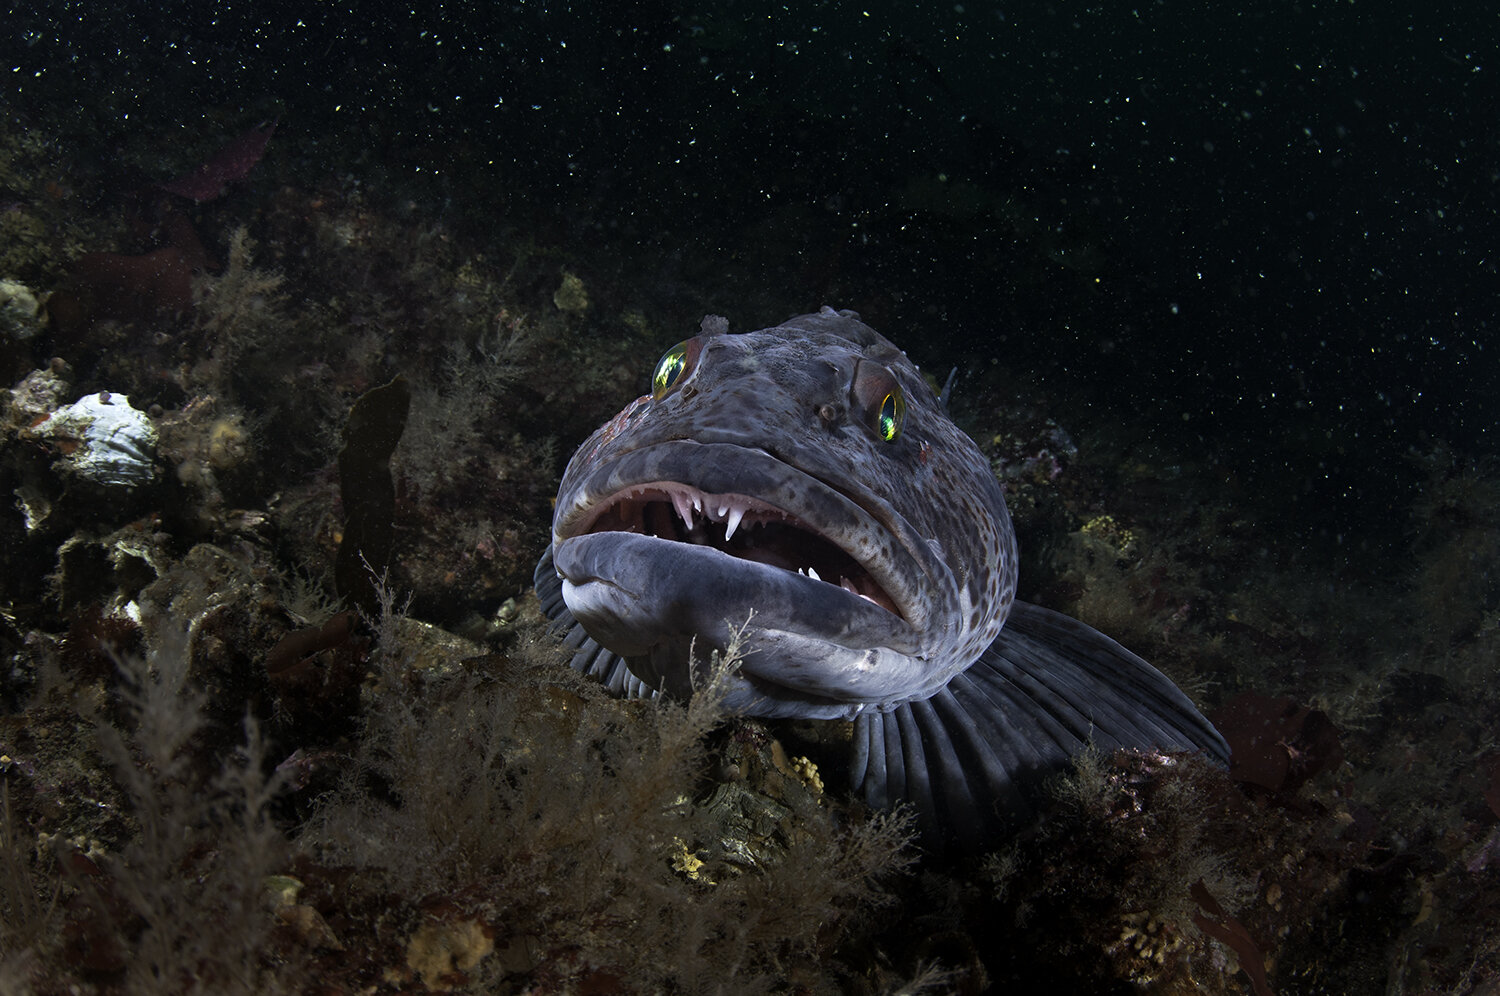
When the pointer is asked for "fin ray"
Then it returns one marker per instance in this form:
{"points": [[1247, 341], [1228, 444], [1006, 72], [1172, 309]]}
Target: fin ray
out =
{"points": [[973, 757]]}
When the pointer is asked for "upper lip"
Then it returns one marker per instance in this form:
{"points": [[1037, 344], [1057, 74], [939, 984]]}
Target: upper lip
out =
{"points": [[783, 489], [741, 525]]}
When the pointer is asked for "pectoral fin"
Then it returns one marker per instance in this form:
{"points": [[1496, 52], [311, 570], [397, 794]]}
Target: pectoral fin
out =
{"points": [[972, 758]]}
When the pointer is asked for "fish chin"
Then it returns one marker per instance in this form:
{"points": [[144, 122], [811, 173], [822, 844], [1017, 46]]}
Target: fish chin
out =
{"points": [[809, 648]]}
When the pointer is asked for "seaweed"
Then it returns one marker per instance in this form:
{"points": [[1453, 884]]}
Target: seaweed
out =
{"points": [[369, 495], [231, 163], [1276, 745], [546, 829], [1225, 929], [176, 905]]}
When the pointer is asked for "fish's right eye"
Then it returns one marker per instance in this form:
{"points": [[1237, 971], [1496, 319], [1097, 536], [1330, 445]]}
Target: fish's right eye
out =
{"points": [[878, 395], [674, 366]]}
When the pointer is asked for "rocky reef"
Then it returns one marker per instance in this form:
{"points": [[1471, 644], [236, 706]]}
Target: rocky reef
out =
{"points": [[228, 768]]}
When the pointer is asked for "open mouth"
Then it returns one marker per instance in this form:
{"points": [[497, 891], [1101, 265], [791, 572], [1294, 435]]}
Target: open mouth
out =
{"points": [[742, 527]]}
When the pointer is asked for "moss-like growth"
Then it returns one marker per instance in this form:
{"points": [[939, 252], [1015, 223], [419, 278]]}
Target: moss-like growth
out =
{"points": [[176, 905], [514, 796], [1102, 887]]}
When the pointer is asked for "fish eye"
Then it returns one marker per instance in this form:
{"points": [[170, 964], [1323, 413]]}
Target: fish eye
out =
{"points": [[892, 414], [675, 364], [878, 395]]}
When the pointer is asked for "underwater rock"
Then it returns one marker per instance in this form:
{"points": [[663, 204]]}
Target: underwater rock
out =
{"points": [[208, 450], [1034, 448], [19, 312], [571, 296], [102, 439], [109, 571], [37, 396]]}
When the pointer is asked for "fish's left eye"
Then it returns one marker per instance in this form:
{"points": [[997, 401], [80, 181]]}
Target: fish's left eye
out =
{"points": [[675, 364], [881, 400], [892, 414]]}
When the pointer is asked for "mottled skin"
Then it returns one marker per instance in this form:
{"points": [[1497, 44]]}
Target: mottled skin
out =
{"points": [[772, 415], [763, 455]]}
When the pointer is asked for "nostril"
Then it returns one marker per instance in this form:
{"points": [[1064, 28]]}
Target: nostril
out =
{"points": [[831, 413]]}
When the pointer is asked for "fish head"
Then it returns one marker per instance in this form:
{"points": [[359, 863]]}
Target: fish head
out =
{"points": [[799, 489]]}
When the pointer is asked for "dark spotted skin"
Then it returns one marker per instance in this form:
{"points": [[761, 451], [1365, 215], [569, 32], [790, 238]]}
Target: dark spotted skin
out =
{"points": [[964, 701], [775, 415]]}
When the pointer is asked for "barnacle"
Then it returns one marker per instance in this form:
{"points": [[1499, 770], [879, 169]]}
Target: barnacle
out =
{"points": [[808, 772], [1145, 946]]}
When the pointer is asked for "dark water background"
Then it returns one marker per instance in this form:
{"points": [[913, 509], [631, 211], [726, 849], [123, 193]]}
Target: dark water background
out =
{"points": [[1267, 230], [1250, 251]]}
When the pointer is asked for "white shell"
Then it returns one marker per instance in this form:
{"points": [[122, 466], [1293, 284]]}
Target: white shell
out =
{"points": [[116, 444]]}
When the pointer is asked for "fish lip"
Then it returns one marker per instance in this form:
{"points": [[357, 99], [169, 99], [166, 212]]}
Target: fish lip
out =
{"points": [[811, 648], [771, 485]]}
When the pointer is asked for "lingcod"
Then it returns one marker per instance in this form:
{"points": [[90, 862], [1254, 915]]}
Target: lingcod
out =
{"points": [[801, 489]]}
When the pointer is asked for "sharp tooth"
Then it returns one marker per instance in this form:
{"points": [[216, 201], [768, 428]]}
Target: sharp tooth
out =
{"points": [[684, 510], [736, 513], [697, 501], [813, 574], [848, 586]]}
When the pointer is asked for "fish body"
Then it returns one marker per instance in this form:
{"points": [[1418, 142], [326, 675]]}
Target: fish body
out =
{"points": [[802, 485]]}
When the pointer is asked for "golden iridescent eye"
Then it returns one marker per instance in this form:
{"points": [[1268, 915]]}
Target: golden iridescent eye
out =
{"points": [[674, 365], [878, 397], [892, 414]]}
